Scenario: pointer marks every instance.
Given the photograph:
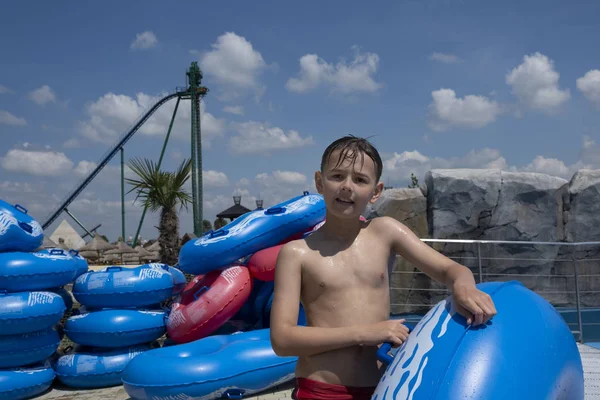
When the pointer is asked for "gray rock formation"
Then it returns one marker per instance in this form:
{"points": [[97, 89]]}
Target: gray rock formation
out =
{"points": [[490, 204], [583, 225]]}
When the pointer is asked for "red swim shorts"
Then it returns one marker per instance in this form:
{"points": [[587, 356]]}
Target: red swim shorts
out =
{"points": [[307, 389]]}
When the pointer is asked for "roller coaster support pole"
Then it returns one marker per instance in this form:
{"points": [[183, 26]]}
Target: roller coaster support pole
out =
{"points": [[79, 223], [196, 93], [162, 153], [123, 195]]}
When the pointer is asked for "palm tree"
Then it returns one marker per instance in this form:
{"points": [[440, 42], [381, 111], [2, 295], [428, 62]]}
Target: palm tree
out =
{"points": [[162, 190]]}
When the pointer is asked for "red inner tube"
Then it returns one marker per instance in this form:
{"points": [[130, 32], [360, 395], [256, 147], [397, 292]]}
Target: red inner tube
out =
{"points": [[207, 302], [262, 263]]}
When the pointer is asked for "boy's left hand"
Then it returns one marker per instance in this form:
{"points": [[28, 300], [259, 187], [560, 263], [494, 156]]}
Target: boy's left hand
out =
{"points": [[473, 304]]}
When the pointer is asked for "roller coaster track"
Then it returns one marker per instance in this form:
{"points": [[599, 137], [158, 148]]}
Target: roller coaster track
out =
{"points": [[108, 156]]}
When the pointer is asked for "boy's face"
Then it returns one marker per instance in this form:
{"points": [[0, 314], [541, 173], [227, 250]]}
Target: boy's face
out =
{"points": [[348, 187]]}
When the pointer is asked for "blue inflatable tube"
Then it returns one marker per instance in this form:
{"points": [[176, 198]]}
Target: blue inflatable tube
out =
{"points": [[25, 312], [18, 231], [525, 352], [123, 287], [250, 233], [179, 281], [209, 368], [66, 296], [27, 348], [95, 368], [82, 264], [26, 383], [40, 270], [116, 328]]}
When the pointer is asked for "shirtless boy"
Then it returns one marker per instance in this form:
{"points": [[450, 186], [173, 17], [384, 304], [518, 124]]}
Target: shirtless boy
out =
{"points": [[340, 273]]}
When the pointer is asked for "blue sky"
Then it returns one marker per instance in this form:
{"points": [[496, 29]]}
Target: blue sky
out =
{"points": [[437, 84]]}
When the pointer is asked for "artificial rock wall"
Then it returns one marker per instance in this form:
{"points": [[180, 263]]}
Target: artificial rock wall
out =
{"points": [[497, 205]]}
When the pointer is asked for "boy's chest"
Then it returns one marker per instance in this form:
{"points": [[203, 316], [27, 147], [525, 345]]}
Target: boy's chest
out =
{"points": [[347, 270]]}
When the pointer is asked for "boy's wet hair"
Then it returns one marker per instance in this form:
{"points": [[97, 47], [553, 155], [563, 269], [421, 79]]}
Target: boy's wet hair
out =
{"points": [[351, 147]]}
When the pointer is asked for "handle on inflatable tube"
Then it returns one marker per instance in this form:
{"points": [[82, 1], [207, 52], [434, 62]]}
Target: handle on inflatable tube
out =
{"points": [[26, 227], [74, 252], [21, 208], [218, 232], [201, 290], [114, 268], [234, 393], [383, 352], [275, 210], [57, 251]]}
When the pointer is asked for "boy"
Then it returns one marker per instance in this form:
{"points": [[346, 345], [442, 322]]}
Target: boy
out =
{"points": [[340, 273]]}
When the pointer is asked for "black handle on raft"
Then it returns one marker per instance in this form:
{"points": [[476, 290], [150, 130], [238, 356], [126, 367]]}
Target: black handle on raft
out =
{"points": [[383, 352], [57, 251]]}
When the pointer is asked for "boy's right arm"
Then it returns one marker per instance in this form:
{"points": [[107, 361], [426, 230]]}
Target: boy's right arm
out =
{"points": [[289, 339]]}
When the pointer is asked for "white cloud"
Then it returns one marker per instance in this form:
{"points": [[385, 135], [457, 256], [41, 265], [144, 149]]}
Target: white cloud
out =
{"points": [[244, 182], [445, 58], [535, 83], [356, 76], [9, 119], [281, 177], [235, 65], [43, 95], [112, 114], [4, 90], [72, 143], [589, 85], [447, 111], [237, 110], [144, 40], [214, 178], [400, 166], [256, 137], [41, 163]]}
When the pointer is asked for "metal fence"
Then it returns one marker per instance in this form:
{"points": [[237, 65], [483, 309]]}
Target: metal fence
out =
{"points": [[563, 273]]}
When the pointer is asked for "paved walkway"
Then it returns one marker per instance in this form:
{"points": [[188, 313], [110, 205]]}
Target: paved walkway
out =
{"points": [[59, 392]]}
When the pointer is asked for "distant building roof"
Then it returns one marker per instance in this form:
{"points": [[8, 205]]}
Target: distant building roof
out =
{"points": [[235, 211]]}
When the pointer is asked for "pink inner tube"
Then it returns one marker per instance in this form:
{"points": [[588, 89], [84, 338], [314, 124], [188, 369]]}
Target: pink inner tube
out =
{"points": [[208, 302]]}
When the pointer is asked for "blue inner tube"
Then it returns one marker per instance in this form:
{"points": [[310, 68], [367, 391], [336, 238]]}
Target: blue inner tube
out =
{"points": [[82, 264], [526, 351], [27, 348], [18, 230], [116, 328], [179, 281], [40, 270], [94, 368], [66, 296], [25, 312], [25, 383], [214, 366], [250, 233], [123, 287]]}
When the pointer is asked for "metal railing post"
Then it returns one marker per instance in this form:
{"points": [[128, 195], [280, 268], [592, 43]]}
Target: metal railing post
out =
{"points": [[479, 262], [577, 299]]}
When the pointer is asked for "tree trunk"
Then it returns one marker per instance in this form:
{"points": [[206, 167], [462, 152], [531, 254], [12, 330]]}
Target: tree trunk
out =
{"points": [[168, 237]]}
